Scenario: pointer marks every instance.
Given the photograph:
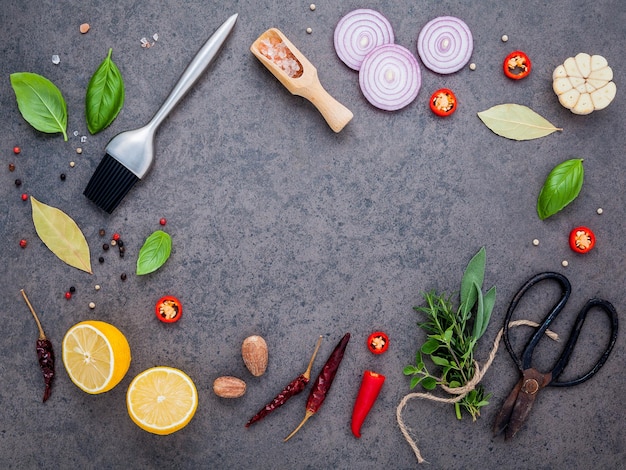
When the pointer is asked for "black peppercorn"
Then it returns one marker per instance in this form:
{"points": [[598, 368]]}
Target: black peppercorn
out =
{"points": [[123, 277], [101, 232], [105, 247], [18, 182], [101, 259], [72, 289], [62, 176], [120, 243]]}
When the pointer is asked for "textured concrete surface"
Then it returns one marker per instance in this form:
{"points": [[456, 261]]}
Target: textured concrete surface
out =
{"points": [[284, 229]]}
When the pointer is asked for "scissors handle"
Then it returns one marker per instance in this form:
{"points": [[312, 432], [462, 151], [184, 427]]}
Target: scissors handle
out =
{"points": [[525, 362], [571, 342], [566, 289]]}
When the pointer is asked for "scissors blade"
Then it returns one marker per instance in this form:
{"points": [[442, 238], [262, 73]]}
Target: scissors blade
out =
{"points": [[531, 382], [504, 415]]}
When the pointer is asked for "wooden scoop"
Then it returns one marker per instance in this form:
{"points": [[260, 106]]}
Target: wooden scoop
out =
{"points": [[298, 75]]}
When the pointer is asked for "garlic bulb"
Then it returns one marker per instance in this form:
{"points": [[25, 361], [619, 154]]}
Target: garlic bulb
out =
{"points": [[584, 83]]}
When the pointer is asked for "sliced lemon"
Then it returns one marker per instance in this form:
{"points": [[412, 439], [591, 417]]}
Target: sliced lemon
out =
{"points": [[162, 400], [96, 356]]}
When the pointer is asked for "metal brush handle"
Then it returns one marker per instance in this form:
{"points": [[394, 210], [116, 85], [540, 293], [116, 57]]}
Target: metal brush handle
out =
{"points": [[193, 71]]}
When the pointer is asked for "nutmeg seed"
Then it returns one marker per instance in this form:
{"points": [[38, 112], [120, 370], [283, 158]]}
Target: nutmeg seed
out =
{"points": [[229, 387], [255, 354]]}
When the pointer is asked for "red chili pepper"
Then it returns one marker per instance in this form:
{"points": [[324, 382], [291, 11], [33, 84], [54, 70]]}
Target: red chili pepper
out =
{"points": [[168, 309], [323, 382], [517, 65], [582, 239], [443, 102], [368, 393], [294, 387], [378, 342]]}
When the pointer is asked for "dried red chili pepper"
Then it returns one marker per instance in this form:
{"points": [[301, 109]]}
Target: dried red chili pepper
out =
{"points": [[378, 342], [293, 388], [168, 309], [582, 239], [323, 382], [45, 354], [516, 65], [368, 393], [443, 102]]}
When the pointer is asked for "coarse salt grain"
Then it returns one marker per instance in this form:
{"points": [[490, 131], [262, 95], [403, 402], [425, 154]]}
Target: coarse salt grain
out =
{"points": [[56, 59]]}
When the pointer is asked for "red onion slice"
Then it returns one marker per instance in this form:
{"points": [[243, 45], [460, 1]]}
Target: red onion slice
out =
{"points": [[358, 33], [445, 44], [390, 77]]}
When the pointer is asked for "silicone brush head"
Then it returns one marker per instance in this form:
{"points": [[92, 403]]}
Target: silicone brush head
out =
{"points": [[109, 184]]}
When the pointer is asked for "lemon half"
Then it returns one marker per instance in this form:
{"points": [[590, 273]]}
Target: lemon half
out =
{"points": [[96, 356], [162, 400]]}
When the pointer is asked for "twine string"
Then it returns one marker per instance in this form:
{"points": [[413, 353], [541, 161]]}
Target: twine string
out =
{"points": [[459, 392]]}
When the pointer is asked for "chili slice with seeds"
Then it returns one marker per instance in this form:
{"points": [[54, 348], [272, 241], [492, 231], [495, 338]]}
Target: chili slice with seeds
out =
{"points": [[378, 342], [517, 65], [443, 102], [168, 309], [582, 239]]}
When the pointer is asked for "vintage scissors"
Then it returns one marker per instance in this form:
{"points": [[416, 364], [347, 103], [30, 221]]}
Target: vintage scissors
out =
{"points": [[517, 406]]}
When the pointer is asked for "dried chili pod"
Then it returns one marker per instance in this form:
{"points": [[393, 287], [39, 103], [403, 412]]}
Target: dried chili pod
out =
{"points": [[295, 387], [323, 383], [45, 354]]}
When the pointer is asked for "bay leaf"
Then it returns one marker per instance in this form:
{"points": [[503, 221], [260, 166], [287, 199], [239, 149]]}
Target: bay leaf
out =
{"points": [[61, 235], [516, 122]]}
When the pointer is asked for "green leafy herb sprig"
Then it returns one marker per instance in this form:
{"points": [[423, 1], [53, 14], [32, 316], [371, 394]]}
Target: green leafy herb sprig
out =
{"points": [[154, 252], [561, 187], [105, 95], [40, 102], [452, 337]]}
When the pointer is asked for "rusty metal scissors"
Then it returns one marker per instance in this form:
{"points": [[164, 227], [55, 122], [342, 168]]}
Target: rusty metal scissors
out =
{"points": [[517, 406]]}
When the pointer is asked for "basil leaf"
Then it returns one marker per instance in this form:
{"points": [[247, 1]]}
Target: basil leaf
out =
{"points": [[474, 273], [105, 95], [154, 252], [561, 187], [40, 102]]}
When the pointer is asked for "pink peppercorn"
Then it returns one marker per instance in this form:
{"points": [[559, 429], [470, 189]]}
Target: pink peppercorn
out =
{"points": [[163, 221], [116, 236], [24, 197], [68, 295], [16, 150], [23, 243]]}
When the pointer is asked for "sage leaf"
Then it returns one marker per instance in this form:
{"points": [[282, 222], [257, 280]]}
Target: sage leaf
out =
{"points": [[105, 95], [561, 187], [516, 122], [480, 312], [61, 235], [489, 301], [40, 102], [154, 252], [474, 274]]}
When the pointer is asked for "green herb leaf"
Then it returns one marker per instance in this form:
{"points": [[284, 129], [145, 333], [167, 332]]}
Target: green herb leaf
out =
{"points": [[429, 383], [474, 274], [561, 187], [40, 102], [410, 370], [489, 301], [105, 95], [440, 361], [480, 312], [415, 381], [61, 235], [154, 252], [516, 122], [430, 346]]}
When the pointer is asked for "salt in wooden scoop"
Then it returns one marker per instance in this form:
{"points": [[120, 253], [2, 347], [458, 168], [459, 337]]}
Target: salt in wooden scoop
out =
{"points": [[298, 75]]}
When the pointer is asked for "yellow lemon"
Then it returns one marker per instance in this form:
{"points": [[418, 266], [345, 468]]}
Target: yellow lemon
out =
{"points": [[96, 356], [162, 400]]}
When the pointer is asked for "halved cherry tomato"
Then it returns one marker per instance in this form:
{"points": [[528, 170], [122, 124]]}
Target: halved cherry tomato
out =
{"points": [[378, 342], [517, 65], [443, 102], [168, 309], [581, 239]]}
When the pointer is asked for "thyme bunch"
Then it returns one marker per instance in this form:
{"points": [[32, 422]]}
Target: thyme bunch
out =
{"points": [[452, 334]]}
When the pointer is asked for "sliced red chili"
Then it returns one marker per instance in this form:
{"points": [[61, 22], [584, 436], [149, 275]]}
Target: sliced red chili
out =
{"points": [[582, 239], [168, 309], [378, 342], [517, 65], [368, 393], [443, 102]]}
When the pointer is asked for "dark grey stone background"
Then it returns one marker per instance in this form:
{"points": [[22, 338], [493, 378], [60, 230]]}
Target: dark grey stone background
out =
{"points": [[284, 229]]}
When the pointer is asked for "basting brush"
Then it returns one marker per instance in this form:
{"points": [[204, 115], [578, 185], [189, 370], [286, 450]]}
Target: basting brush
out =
{"points": [[129, 155]]}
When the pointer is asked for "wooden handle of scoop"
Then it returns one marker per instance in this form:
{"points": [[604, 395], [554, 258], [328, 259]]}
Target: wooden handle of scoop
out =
{"points": [[335, 114]]}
